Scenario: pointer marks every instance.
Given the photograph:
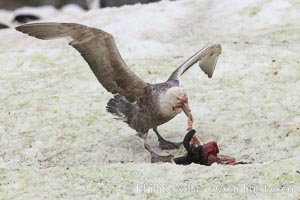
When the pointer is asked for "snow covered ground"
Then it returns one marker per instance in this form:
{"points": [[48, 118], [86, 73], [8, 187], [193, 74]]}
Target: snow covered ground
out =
{"points": [[58, 142]]}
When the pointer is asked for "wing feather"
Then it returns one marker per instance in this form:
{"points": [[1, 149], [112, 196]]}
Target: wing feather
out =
{"points": [[207, 58], [99, 50]]}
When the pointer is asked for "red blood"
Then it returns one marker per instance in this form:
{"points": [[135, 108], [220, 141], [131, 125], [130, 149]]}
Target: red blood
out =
{"points": [[210, 155]]}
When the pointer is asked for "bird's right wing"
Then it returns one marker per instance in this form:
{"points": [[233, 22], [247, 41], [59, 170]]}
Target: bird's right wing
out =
{"points": [[207, 58], [99, 50]]}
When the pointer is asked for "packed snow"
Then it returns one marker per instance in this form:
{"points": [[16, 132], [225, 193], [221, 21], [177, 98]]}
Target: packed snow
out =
{"points": [[58, 142]]}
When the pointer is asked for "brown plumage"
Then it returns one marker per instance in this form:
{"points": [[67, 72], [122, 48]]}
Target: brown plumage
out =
{"points": [[143, 106]]}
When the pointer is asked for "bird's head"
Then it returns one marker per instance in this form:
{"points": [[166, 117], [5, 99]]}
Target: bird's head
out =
{"points": [[176, 100]]}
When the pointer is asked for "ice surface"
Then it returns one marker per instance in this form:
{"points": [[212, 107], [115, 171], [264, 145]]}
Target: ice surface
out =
{"points": [[57, 141]]}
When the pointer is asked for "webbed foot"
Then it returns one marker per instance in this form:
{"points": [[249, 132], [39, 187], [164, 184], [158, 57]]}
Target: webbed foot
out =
{"points": [[155, 158], [165, 144]]}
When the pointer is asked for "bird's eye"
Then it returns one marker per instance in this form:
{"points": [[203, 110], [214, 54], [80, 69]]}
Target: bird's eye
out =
{"points": [[178, 98]]}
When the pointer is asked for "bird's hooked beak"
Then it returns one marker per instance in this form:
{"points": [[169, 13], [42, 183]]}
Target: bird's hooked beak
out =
{"points": [[186, 109], [185, 105]]}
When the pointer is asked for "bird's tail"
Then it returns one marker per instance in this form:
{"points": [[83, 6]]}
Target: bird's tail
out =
{"points": [[121, 108]]}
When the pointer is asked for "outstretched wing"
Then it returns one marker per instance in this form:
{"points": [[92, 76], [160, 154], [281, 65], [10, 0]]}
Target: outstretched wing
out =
{"points": [[99, 50], [207, 58]]}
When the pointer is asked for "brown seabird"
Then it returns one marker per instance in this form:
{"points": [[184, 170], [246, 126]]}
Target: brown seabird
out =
{"points": [[143, 106]]}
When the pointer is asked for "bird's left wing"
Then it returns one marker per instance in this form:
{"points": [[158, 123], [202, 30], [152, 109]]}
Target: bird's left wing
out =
{"points": [[99, 50], [207, 58]]}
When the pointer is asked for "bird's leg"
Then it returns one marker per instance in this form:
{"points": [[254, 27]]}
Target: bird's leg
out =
{"points": [[165, 144], [155, 158]]}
